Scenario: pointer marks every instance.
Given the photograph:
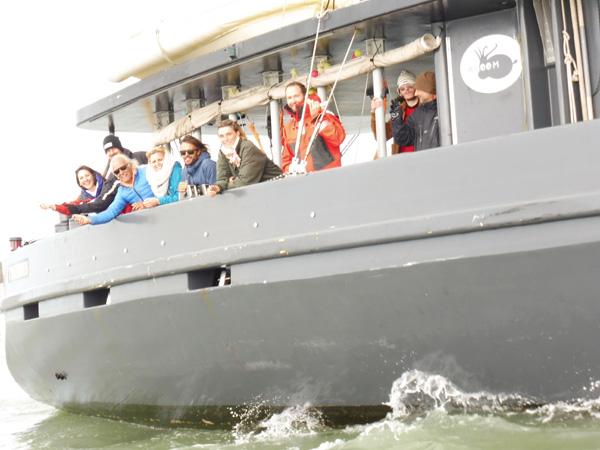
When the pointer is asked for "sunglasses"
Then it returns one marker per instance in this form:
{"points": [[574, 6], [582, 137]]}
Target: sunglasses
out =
{"points": [[188, 152], [118, 170], [406, 87]]}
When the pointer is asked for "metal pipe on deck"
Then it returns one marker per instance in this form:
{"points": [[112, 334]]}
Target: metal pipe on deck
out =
{"points": [[228, 92], [271, 79], [275, 131], [191, 105], [379, 113], [589, 106], [163, 119], [373, 47], [578, 59], [322, 93]]}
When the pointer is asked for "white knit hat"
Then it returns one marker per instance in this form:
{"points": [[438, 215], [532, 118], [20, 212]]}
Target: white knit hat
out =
{"points": [[406, 77]]}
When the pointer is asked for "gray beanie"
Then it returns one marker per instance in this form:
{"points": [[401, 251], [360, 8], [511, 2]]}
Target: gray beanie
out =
{"points": [[406, 77]]}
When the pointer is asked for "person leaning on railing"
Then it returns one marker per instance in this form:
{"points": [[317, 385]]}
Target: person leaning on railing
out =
{"points": [[89, 181], [133, 190], [112, 147], [199, 167], [240, 162], [163, 175]]}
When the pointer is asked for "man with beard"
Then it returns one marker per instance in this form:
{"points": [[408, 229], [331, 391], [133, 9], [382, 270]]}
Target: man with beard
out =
{"points": [[199, 167], [327, 133]]}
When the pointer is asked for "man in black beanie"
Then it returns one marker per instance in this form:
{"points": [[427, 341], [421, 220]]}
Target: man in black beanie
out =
{"points": [[112, 147], [421, 127]]}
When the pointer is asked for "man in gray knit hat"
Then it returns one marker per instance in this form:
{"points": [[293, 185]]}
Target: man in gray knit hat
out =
{"points": [[408, 102]]}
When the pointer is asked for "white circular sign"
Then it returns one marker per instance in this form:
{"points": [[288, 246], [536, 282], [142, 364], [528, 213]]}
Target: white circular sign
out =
{"points": [[491, 64]]}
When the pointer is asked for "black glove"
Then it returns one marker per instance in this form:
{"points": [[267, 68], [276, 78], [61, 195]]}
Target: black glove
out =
{"points": [[395, 109]]}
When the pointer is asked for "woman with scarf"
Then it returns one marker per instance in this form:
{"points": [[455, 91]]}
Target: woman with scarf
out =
{"points": [[164, 176], [90, 183], [240, 162]]}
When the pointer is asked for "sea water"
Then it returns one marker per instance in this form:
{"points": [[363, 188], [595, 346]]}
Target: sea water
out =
{"points": [[449, 419]]}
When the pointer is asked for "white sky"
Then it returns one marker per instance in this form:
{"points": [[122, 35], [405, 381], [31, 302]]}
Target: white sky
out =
{"points": [[53, 53], [51, 66]]}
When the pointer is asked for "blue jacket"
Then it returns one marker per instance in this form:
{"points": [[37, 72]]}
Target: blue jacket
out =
{"points": [[203, 171], [140, 191], [173, 193]]}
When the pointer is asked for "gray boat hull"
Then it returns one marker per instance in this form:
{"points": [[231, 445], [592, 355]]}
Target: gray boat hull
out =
{"points": [[477, 262]]}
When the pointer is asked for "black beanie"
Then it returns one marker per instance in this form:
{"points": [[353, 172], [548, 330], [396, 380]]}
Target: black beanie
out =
{"points": [[111, 141]]}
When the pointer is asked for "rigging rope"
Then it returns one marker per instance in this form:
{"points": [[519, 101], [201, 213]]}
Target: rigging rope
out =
{"points": [[312, 62], [324, 108], [362, 111]]}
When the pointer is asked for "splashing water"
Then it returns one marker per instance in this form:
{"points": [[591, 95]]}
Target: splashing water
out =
{"points": [[257, 424], [417, 392]]}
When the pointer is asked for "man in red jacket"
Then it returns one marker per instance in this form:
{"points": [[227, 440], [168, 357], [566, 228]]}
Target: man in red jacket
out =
{"points": [[327, 134]]}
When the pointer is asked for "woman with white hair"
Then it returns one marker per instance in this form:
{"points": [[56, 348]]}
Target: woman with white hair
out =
{"points": [[133, 190], [163, 175]]}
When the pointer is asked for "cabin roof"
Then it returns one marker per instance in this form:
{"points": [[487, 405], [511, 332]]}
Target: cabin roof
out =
{"points": [[134, 108]]}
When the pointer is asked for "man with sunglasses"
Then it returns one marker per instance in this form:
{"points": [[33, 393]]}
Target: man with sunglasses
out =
{"points": [[406, 103], [112, 147], [199, 167], [133, 190]]}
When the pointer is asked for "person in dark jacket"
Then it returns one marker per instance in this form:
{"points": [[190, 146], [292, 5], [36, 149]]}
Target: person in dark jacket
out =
{"points": [[89, 181], [112, 147], [421, 127], [199, 167], [240, 162]]}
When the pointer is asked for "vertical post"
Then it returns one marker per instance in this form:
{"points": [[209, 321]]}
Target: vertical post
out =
{"points": [[191, 105], [445, 87], [164, 118], [379, 113], [373, 47], [228, 92], [586, 63], [270, 79], [579, 60], [322, 93]]}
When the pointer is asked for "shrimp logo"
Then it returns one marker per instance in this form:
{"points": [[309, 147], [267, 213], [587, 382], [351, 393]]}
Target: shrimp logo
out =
{"points": [[491, 64]]}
